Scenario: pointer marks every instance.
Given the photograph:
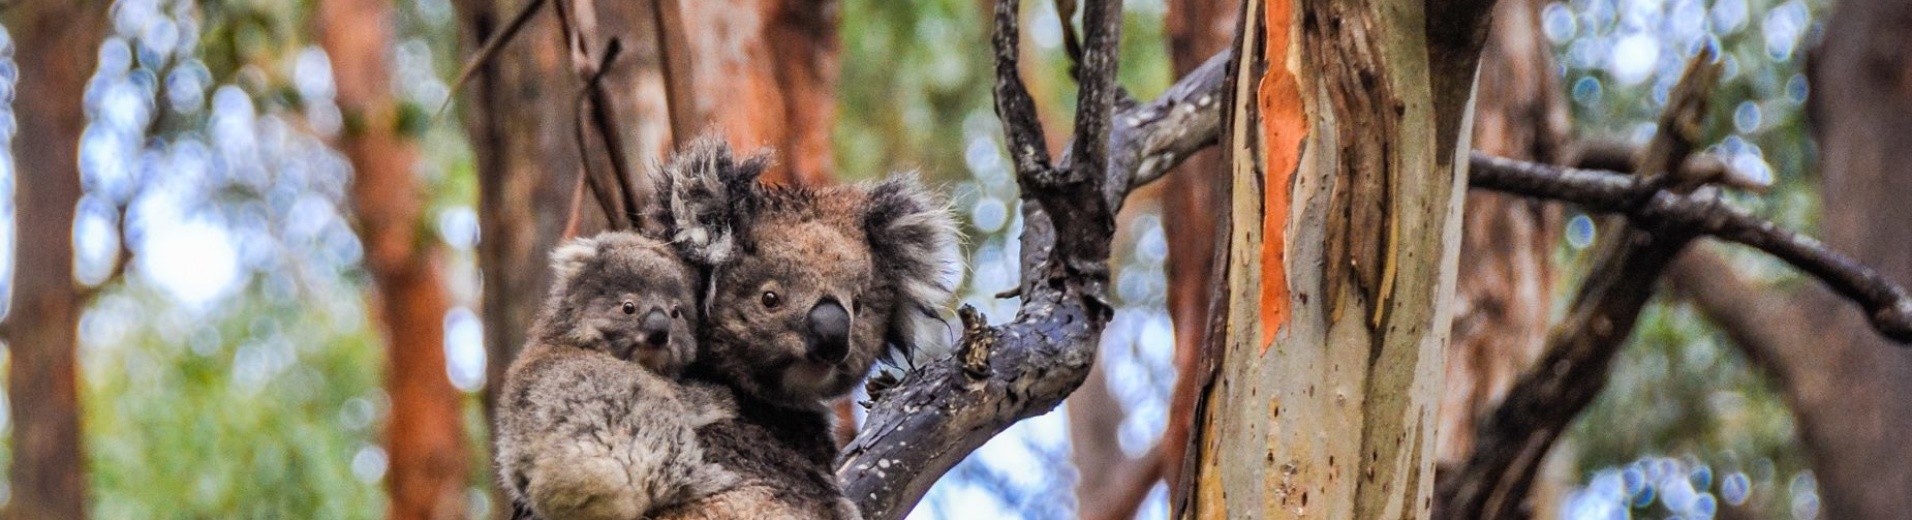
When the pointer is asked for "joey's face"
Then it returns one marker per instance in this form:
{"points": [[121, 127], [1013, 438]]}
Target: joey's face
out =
{"points": [[636, 304], [797, 321]]}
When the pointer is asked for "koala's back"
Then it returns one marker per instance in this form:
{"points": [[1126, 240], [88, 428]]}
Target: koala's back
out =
{"points": [[782, 459]]}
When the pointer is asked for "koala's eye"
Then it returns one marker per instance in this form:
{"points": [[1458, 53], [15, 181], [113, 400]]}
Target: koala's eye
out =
{"points": [[677, 312], [771, 300], [630, 307]]}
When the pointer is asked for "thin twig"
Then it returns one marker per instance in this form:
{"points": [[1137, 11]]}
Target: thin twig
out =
{"points": [[632, 191], [1887, 305], [608, 192], [485, 53]]}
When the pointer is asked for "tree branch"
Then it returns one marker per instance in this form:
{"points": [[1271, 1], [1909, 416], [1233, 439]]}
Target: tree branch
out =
{"points": [[946, 409], [1887, 305], [1515, 437]]}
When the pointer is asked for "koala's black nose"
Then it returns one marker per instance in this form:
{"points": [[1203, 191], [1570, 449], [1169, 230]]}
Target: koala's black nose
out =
{"points": [[829, 334], [657, 328]]}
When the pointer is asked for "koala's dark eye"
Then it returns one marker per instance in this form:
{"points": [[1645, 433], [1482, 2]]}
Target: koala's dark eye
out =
{"points": [[771, 300], [677, 312], [630, 307]]}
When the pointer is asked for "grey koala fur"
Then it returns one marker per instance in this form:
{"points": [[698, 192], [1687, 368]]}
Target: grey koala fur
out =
{"points": [[806, 289], [593, 424], [776, 257]]}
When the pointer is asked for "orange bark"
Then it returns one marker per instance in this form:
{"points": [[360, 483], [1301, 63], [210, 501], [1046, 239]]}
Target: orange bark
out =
{"points": [[1284, 123], [425, 437], [56, 45]]}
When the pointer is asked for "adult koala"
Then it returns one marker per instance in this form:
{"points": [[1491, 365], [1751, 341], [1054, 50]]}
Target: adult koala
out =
{"points": [[807, 288]]}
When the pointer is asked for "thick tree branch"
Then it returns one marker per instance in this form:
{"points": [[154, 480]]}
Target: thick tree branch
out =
{"points": [[943, 411]]}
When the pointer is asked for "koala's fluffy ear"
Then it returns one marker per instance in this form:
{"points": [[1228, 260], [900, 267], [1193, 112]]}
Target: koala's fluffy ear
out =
{"points": [[913, 242], [708, 196], [572, 258]]}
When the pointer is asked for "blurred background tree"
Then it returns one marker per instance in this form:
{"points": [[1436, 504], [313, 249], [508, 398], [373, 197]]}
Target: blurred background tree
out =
{"points": [[225, 360]]}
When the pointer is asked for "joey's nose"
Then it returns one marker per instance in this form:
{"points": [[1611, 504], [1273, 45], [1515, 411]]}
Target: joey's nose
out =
{"points": [[657, 328], [829, 334]]}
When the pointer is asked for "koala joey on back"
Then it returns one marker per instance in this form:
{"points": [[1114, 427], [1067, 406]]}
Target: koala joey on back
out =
{"points": [[594, 423], [808, 286], [806, 289]]}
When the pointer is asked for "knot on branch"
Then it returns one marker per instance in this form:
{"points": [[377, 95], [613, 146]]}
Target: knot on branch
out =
{"points": [[978, 340]]}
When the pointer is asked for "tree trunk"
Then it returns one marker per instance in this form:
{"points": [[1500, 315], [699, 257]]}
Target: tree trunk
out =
{"points": [[425, 438], [55, 43], [1347, 126], [1845, 382], [1506, 285], [1197, 29], [520, 119], [776, 64]]}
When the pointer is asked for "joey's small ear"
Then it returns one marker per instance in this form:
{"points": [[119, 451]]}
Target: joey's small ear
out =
{"points": [[571, 258], [709, 196], [913, 242]]}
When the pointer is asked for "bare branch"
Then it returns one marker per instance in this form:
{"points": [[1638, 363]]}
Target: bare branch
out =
{"points": [[1515, 437], [1887, 305], [608, 192], [485, 53], [938, 414], [941, 412], [1022, 130]]}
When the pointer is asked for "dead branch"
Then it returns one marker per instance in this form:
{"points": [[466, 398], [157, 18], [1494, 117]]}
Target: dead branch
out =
{"points": [[1887, 305], [941, 412], [1515, 437], [603, 189], [490, 48]]}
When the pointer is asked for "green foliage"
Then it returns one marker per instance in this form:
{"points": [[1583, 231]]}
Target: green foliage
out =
{"points": [[254, 409]]}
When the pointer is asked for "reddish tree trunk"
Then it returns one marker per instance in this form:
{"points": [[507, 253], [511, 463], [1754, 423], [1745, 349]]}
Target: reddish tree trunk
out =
{"points": [[425, 437], [55, 44], [1191, 209], [768, 78]]}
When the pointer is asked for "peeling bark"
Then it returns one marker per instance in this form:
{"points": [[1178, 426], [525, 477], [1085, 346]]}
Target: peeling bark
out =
{"points": [[1345, 135]]}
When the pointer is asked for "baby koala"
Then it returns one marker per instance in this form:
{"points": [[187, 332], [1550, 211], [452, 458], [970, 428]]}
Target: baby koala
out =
{"points": [[592, 421]]}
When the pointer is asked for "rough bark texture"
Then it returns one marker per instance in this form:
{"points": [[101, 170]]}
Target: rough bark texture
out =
{"points": [[55, 43], [1344, 133], [998, 375], [1191, 210], [425, 435], [764, 73], [1506, 285], [1849, 386]]}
